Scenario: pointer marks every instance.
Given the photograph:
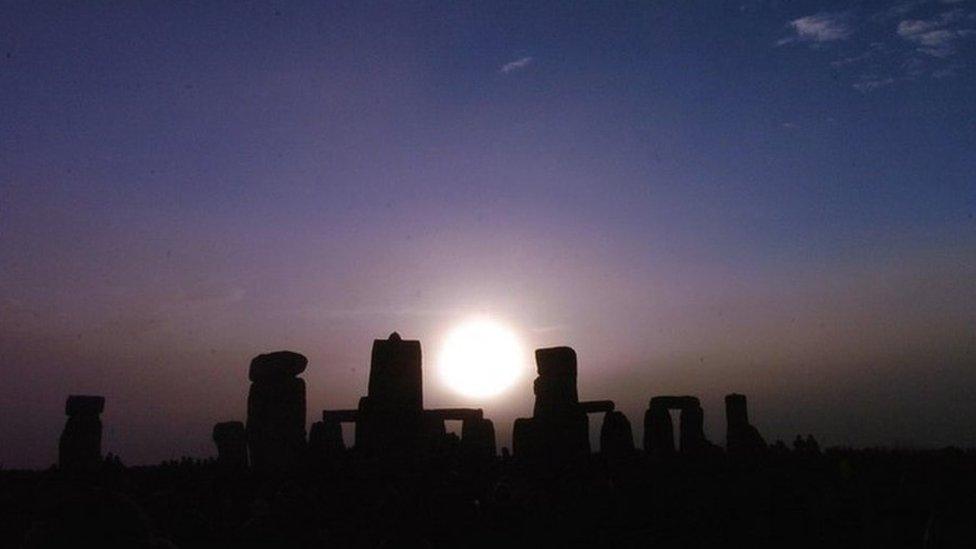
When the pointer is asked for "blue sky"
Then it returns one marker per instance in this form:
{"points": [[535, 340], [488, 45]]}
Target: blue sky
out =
{"points": [[774, 198]]}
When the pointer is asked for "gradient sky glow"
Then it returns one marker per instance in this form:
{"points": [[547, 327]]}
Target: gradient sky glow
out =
{"points": [[774, 198]]}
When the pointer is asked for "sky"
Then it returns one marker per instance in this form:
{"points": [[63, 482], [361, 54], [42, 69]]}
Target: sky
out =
{"points": [[772, 198]]}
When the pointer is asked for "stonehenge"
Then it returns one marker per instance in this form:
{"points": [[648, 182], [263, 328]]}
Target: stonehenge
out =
{"points": [[231, 440], [659, 429], [477, 433], [558, 428], [325, 439], [616, 436], [741, 438], [276, 412], [391, 420], [478, 438], [80, 446]]}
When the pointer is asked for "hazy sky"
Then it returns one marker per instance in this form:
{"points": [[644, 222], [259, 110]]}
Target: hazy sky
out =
{"points": [[774, 198]]}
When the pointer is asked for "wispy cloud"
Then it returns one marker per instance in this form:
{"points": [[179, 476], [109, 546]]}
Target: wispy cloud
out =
{"points": [[818, 28], [518, 64], [851, 59], [897, 11], [934, 36], [910, 39], [869, 83]]}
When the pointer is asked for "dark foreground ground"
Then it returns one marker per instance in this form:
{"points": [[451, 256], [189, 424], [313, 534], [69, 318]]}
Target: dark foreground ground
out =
{"points": [[841, 498]]}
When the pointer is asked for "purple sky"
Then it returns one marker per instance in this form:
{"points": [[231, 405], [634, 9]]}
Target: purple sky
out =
{"points": [[775, 198]]}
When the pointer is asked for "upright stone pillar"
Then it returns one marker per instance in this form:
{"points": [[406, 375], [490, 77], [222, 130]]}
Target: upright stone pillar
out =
{"points": [[276, 412], [692, 437], [391, 416], [231, 440], [616, 436], [741, 438], [80, 447], [325, 439], [558, 428], [658, 430]]}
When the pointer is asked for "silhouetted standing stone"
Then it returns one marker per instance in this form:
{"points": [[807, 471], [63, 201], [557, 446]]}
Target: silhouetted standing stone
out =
{"points": [[276, 365], [80, 447], [391, 422], [391, 418], [659, 429], [325, 439], [616, 436], [558, 428], [231, 441], [555, 388], [741, 438], [276, 412], [692, 436]]}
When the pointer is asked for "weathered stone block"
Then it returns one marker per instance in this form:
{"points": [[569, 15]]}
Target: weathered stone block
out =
{"points": [[231, 440], [740, 437], [276, 365], [692, 436], [556, 362], [395, 376], [80, 445], [658, 431], [616, 436], [228, 430], [325, 439], [276, 424], [84, 405], [554, 395]]}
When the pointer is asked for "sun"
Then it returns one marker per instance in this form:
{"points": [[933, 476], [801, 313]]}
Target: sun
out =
{"points": [[481, 358]]}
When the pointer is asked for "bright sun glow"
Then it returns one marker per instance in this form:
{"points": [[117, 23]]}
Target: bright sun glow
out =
{"points": [[481, 358]]}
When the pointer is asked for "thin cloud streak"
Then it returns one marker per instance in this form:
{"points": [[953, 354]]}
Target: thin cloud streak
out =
{"points": [[818, 28], [932, 36], [516, 65]]}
